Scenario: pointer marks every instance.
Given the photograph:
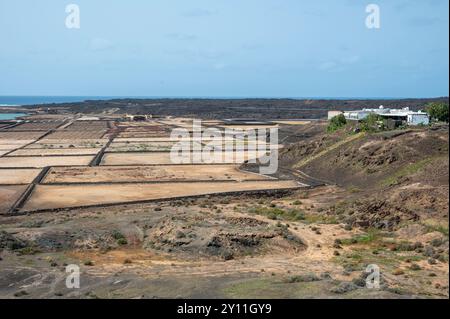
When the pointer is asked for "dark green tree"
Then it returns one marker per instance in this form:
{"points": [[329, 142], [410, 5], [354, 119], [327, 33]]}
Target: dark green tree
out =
{"points": [[438, 111], [336, 123], [372, 123]]}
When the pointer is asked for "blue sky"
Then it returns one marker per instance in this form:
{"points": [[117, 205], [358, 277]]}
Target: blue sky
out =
{"points": [[225, 48]]}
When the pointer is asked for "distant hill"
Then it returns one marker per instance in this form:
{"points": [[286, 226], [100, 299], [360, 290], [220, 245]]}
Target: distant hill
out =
{"points": [[237, 108]]}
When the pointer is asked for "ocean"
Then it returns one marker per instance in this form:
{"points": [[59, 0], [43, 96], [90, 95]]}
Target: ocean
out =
{"points": [[10, 116], [31, 100]]}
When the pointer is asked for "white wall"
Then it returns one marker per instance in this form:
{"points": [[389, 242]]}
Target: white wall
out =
{"points": [[417, 119]]}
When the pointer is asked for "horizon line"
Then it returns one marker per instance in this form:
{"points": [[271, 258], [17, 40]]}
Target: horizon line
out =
{"points": [[227, 97]]}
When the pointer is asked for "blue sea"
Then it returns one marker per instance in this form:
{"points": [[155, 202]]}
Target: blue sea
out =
{"points": [[32, 100], [10, 116]]}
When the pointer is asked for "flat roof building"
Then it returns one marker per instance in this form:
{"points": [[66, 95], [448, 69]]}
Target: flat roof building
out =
{"points": [[332, 114], [405, 115]]}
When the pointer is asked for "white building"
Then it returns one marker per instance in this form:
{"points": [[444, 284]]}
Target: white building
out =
{"points": [[356, 115], [409, 117], [418, 118], [332, 114], [89, 118]]}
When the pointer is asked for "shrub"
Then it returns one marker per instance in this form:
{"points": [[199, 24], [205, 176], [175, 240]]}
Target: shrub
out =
{"points": [[117, 235], [122, 241], [415, 267], [303, 278], [372, 123], [438, 111], [120, 238], [20, 293], [344, 287], [278, 213], [336, 123]]}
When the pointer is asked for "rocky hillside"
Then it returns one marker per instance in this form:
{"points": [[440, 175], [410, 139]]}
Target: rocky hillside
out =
{"points": [[390, 177]]}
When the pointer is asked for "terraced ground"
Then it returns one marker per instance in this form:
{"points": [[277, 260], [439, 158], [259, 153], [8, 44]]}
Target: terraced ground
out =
{"points": [[384, 202], [117, 161]]}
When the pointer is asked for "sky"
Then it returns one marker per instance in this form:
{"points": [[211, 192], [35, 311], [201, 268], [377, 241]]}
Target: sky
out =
{"points": [[225, 48]]}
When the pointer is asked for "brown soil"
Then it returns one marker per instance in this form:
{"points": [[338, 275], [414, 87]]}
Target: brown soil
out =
{"points": [[44, 152], [7, 135], [71, 135], [9, 195], [18, 176], [43, 161], [51, 196], [164, 158], [159, 173], [68, 144]]}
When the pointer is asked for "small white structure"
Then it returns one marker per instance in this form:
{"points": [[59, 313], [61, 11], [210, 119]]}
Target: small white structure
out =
{"points": [[332, 114], [418, 118], [89, 118], [356, 115], [409, 117], [138, 117]]}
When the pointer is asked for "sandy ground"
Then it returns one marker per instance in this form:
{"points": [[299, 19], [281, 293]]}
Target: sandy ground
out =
{"points": [[88, 126], [38, 126], [136, 158], [73, 135], [168, 139], [7, 148], [180, 122], [165, 158], [136, 135], [76, 145], [292, 122], [14, 136], [75, 142], [17, 143], [9, 195], [138, 124], [155, 144], [248, 127], [106, 174], [139, 147], [241, 145], [43, 152], [3, 152], [52, 117], [18, 176], [51, 196], [43, 161], [137, 270], [10, 146], [146, 146], [141, 139]]}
